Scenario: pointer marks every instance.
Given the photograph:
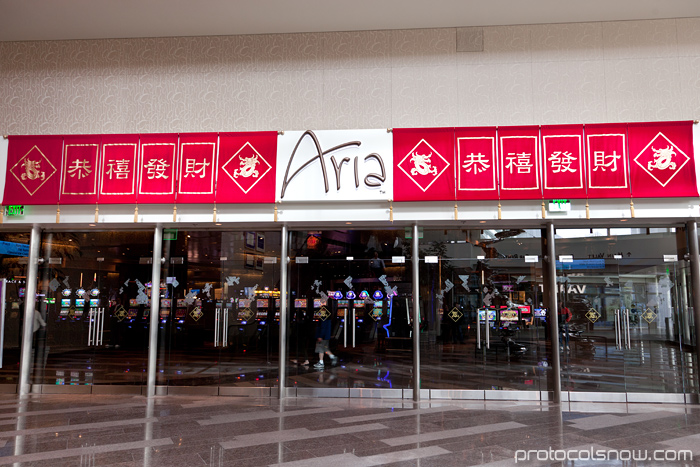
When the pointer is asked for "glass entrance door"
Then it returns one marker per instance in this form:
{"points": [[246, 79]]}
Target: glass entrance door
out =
{"points": [[14, 252], [219, 311], [93, 289], [351, 290], [483, 324], [624, 319]]}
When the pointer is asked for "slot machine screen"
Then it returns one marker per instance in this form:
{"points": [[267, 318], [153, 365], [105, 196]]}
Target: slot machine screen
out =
{"points": [[65, 302], [299, 303]]}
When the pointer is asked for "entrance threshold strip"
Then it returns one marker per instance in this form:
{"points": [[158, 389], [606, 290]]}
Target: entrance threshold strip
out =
{"points": [[295, 434], [456, 433], [87, 408], [75, 452], [397, 414], [351, 460], [264, 414], [82, 426]]}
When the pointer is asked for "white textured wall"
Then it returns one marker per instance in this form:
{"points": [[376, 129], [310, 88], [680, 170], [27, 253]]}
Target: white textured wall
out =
{"points": [[561, 73]]}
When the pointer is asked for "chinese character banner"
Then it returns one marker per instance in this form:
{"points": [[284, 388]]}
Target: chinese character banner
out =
{"points": [[80, 166], [661, 159], [119, 169], [615, 160], [562, 161], [607, 161], [33, 170], [519, 163], [476, 163], [424, 159]]}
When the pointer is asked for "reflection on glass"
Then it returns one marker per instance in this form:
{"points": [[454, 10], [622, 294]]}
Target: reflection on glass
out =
{"points": [[13, 264], [625, 322], [84, 286], [478, 325], [220, 310], [334, 276]]}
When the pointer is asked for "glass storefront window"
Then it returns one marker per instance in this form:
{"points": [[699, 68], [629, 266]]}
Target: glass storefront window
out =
{"points": [[352, 288], [14, 251], [92, 295], [220, 309], [482, 320], [625, 319]]}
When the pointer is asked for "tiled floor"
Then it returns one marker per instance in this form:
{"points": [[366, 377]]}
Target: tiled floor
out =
{"points": [[226, 431]]}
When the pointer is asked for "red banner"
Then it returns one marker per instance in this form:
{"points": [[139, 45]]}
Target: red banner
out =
{"points": [[661, 160], [34, 166], [119, 169], [423, 159], [197, 168], [607, 161], [519, 165], [157, 164], [81, 167], [247, 167], [477, 163], [563, 167]]}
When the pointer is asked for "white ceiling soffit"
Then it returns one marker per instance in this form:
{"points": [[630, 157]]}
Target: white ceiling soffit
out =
{"points": [[25, 20]]}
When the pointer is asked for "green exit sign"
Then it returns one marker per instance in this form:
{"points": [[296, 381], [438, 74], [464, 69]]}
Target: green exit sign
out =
{"points": [[559, 205], [14, 211]]}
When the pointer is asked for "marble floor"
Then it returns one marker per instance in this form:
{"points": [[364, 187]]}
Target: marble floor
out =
{"points": [[97, 430]]}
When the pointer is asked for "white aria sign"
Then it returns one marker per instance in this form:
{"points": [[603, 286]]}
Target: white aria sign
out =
{"points": [[335, 165]]}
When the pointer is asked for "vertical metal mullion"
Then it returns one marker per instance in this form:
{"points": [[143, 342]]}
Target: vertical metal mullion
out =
{"points": [[29, 310], [550, 273], [416, 313], [155, 302], [695, 280], [284, 261], [2, 318]]}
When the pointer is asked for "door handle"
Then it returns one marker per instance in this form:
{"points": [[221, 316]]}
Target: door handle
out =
{"points": [[617, 330], [628, 343], [101, 320], [224, 331], [353, 328], [478, 330], [216, 328], [91, 315]]}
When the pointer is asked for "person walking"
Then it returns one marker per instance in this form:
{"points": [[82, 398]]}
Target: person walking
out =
{"points": [[323, 337]]}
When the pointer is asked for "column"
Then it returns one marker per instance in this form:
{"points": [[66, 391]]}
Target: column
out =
{"points": [[415, 257], [695, 281], [25, 360], [154, 314], [550, 278], [283, 312]]}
